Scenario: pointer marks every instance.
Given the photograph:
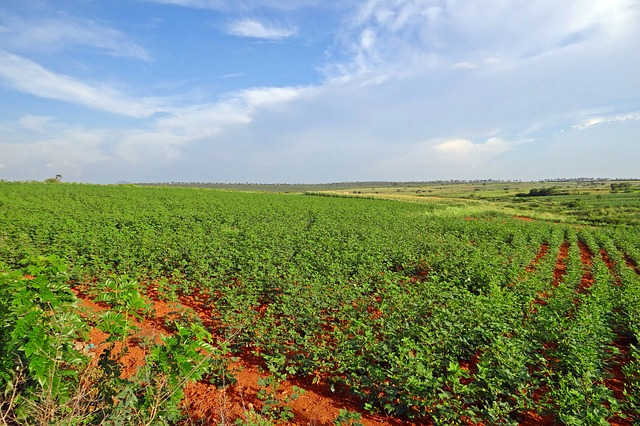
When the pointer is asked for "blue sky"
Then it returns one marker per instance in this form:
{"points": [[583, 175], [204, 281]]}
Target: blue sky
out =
{"points": [[318, 91]]}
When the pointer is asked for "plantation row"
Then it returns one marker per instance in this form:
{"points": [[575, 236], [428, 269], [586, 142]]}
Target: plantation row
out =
{"points": [[418, 314]]}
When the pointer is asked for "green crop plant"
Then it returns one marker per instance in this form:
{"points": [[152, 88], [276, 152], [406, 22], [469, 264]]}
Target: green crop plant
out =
{"points": [[426, 311]]}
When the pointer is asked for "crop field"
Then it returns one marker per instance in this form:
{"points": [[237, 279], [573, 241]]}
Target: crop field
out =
{"points": [[157, 305]]}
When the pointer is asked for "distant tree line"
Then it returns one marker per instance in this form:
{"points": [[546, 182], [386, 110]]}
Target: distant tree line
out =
{"points": [[543, 192], [621, 187]]}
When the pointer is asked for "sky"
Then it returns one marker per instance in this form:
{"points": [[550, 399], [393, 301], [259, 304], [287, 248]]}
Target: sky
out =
{"points": [[312, 91]]}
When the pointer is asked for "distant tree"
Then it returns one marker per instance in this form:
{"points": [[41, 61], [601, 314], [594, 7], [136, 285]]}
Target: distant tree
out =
{"points": [[621, 187], [56, 179]]}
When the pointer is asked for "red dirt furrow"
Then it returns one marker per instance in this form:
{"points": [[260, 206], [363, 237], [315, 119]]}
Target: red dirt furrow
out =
{"points": [[542, 252], [611, 265], [531, 417], [318, 405], [524, 218], [617, 380], [561, 264], [558, 274], [631, 263], [471, 367], [586, 257], [544, 249]]}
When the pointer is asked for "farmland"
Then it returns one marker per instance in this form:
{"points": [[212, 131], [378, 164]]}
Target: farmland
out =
{"points": [[157, 305]]}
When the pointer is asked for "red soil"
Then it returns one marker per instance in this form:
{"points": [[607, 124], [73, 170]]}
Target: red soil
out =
{"points": [[420, 273], [128, 353], [318, 405], [611, 265], [616, 381], [561, 264], [586, 257], [558, 273], [542, 252], [631, 263], [544, 249], [470, 366], [524, 218], [531, 418]]}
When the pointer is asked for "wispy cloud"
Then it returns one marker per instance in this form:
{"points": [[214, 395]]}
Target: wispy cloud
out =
{"points": [[594, 121], [253, 28], [241, 5], [58, 34], [27, 76], [72, 150], [418, 35], [198, 4]]}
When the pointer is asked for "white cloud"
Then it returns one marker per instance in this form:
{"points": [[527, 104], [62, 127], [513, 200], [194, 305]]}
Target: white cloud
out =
{"points": [[367, 39], [346, 129], [58, 34], [464, 147], [258, 97], [240, 4], [208, 120], [464, 66], [161, 142], [418, 35], [29, 77], [253, 28], [73, 153], [594, 121]]}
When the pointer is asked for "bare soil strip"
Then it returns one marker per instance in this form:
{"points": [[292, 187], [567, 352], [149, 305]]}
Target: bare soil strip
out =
{"points": [[586, 257], [616, 379], [544, 249], [561, 264], [531, 417], [611, 265], [631, 263]]}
